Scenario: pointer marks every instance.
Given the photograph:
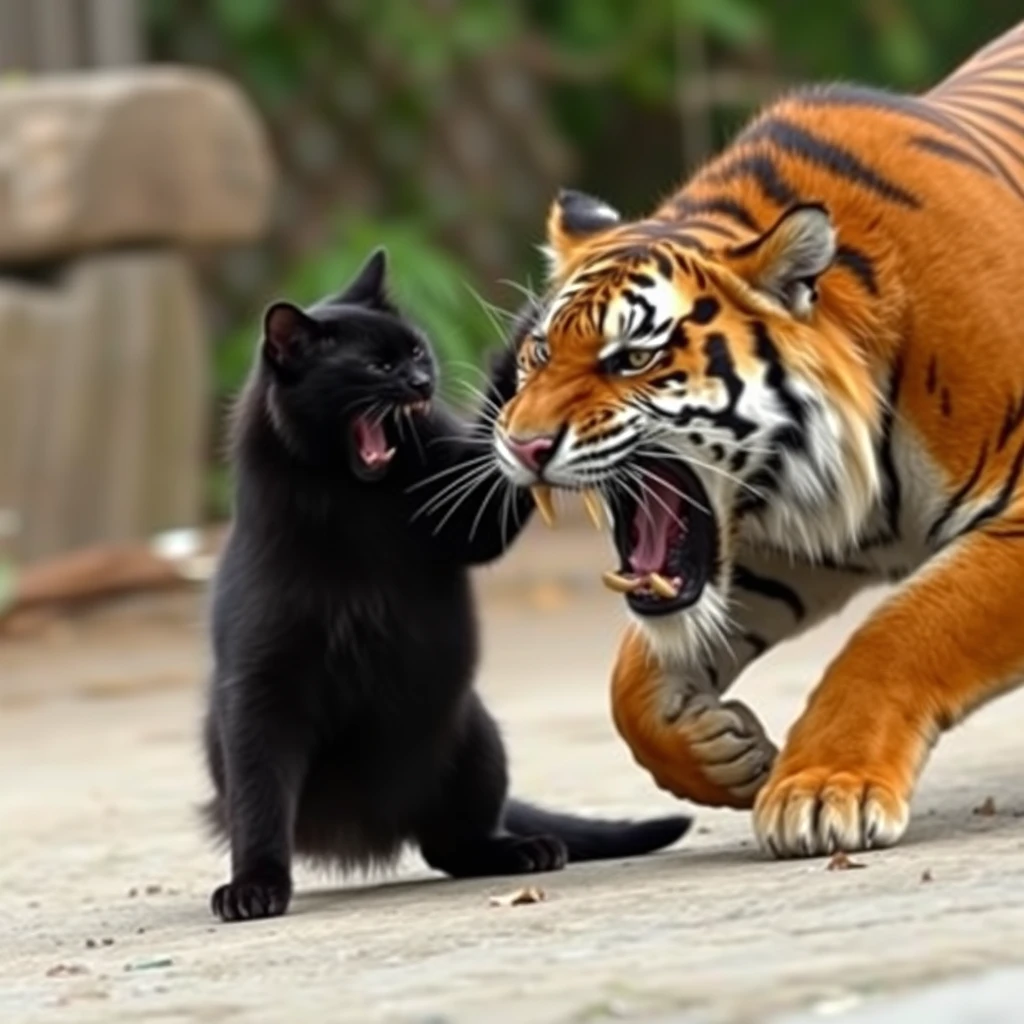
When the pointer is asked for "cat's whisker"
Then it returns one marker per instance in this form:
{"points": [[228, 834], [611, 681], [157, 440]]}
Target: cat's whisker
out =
{"points": [[498, 482], [477, 482], [489, 311], [455, 488], [447, 471]]}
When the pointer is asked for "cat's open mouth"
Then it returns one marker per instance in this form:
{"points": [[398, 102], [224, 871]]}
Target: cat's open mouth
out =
{"points": [[666, 539], [370, 450]]}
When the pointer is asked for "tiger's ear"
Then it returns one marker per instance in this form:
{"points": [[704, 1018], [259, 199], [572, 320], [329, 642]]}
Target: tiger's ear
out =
{"points": [[787, 260], [573, 218]]}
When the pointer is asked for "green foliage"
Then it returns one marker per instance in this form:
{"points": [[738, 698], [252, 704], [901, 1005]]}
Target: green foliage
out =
{"points": [[429, 286]]}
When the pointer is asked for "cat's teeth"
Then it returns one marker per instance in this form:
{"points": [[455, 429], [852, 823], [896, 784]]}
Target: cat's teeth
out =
{"points": [[545, 506], [621, 584], [661, 586], [594, 507]]}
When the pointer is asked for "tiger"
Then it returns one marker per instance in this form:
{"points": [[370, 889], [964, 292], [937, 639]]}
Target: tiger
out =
{"points": [[801, 376]]}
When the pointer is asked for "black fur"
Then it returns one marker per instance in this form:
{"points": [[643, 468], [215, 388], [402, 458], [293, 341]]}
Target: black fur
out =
{"points": [[342, 723]]}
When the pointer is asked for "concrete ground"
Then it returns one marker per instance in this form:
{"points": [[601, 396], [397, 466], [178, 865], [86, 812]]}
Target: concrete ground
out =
{"points": [[104, 875]]}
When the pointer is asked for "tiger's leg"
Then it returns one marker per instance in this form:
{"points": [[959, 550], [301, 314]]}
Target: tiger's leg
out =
{"points": [[667, 705], [694, 745], [948, 641]]}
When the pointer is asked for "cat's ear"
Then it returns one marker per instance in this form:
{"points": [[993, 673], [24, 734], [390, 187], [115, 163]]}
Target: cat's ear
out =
{"points": [[369, 286], [287, 333]]}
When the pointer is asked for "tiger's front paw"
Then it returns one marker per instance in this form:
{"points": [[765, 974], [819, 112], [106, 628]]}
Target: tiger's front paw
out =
{"points": [[713, 753], [816, 811], [729, 745]]}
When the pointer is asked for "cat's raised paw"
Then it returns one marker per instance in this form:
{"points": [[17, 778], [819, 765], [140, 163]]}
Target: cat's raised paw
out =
{"points": [[251, 897]]}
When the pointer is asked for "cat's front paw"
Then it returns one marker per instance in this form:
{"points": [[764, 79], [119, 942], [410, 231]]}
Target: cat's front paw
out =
{"points": [[251, 896]]}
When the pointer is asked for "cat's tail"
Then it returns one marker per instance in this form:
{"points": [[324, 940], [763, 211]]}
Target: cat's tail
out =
{"points": [[595, 838]]}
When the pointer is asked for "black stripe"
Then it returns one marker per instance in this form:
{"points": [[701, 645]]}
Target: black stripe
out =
{"points": [[640, 279], [776, 378], [950, 152], [1002, 120], [853, 96], [762, 483], [860, 265], [893, 493], [696, 224], [973, 131], [723, 205], [721, 366], [933, 375], [980, 92], [959, 497], [830, 563], [705, 309], [946, 403], [664, 264], [837, 160], [773, 589], [1005, 534], [998, 505], [691, 242], [878, 99], [762, 169], [969, 118], [1013, 419], [616, 449]]}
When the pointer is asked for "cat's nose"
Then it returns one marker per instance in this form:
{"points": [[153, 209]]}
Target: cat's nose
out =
{"points": [[533, 453], [421, 384]]}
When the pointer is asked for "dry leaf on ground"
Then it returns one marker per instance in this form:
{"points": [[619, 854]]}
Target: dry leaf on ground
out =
{"points": [[530, 894], [987, 809], [841, 862]]}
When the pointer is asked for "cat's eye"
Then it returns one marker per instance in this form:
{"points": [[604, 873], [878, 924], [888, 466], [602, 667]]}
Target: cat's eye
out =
{"points": [[629, 361], [383, 365]]}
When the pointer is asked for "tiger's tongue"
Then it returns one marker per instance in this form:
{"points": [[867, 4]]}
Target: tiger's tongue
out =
{"points": [[373, 445], [653, 524]]}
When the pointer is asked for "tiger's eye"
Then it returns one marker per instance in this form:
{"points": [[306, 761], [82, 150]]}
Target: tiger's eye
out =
{"points": [[637, 359]]}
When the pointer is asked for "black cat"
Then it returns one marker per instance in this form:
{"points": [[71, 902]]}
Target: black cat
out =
{"points": [[342, 723]]}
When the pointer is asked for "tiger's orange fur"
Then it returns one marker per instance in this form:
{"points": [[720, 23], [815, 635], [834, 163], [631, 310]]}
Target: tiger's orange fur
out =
{"points": [[907, 354]]}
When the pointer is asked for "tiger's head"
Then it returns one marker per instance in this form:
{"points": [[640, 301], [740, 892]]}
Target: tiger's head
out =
{"points": [[704, 393]]}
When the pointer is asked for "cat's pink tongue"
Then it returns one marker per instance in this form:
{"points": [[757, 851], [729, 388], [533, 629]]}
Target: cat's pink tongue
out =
{"points": [[373, 445]]}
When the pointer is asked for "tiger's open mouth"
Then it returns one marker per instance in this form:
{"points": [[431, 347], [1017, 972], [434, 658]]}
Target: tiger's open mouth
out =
{"points": [[666, 539]]}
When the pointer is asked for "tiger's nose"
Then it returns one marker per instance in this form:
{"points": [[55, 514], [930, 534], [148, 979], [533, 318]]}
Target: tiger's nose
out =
{"points": [[533, 453]]}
